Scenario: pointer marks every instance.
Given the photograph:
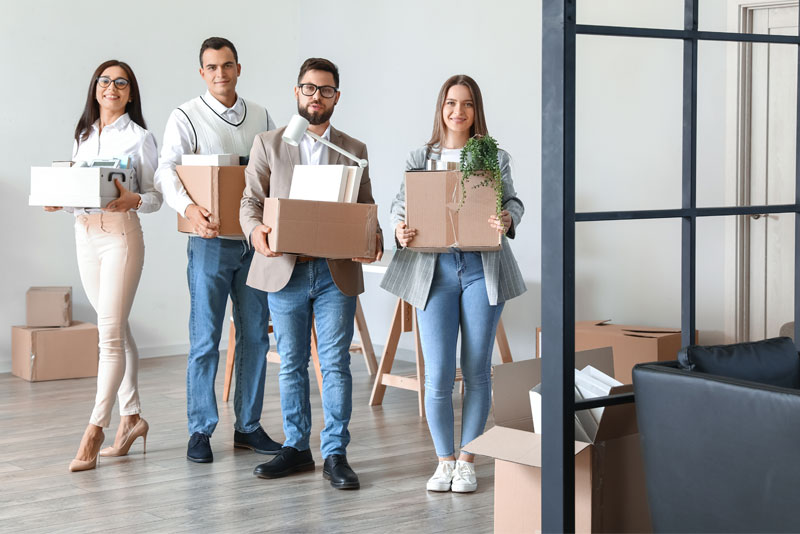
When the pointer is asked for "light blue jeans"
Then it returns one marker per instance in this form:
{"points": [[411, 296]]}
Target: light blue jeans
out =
{"points": [[218, 268], [457, 299], [310, 295]]}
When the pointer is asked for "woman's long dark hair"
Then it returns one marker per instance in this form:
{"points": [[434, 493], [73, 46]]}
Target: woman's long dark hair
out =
{"points": [[91, 111]]}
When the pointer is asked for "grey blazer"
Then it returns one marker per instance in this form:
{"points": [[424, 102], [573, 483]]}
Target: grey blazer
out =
{"points": [[410, 273]]}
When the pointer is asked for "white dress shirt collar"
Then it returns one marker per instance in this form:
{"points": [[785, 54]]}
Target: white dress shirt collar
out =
{"points": [[312, 152], [120, 124], [234, 113]]}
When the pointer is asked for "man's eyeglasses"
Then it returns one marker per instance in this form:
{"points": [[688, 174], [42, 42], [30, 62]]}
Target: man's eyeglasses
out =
{"points": [[309, 89], [119, 83]]}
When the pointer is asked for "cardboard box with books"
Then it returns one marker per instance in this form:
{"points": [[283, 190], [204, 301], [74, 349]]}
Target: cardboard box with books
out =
{"points": [[610, 491], [39, 354], [322, 217], [631, 344], [434, 209], [218, 189]]}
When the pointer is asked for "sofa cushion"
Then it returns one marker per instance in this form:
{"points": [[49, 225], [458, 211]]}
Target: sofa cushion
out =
{"points": [[771, 361]]}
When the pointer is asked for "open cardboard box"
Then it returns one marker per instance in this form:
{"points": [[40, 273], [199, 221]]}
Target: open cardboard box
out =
{"points": [[632, 344], [610, 493], [432, 208], [54, 353], [217, 189], [335, 230]]}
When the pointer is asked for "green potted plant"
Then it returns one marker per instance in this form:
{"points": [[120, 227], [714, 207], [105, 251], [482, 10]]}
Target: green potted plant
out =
{"points": [[479, 158]]}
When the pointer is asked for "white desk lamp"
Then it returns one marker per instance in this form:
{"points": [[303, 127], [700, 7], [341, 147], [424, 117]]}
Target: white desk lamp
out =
{"points": [[299, 126]]}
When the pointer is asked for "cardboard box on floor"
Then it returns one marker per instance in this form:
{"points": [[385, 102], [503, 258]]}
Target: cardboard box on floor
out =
{"points": [[631, 344], [217, 189], [432, 208], [610, 493], [39, 354], [48, 306], [336, 230]]}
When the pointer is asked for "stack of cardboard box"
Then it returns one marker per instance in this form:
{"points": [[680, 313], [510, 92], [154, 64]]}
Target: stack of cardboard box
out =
{"points": [[51, 345]]}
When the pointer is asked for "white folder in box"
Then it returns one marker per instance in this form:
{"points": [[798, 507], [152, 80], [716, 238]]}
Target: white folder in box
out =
{"points": [[76, 187], [210, 160], [325, 183]]}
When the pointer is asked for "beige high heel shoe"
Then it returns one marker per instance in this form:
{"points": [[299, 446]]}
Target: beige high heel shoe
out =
{"points": [[85, 465], [139, 430]]}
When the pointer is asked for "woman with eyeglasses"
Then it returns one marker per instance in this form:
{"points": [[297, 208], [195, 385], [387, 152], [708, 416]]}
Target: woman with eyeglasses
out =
{"points": [[110, 250], [457, 290]]}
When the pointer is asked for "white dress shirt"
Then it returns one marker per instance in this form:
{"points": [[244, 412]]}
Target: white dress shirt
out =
{"points": [[124, 139], [179, 139], [312, 152]]}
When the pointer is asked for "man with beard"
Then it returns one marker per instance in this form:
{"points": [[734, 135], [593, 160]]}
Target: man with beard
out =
{"points": [[304, 288]]}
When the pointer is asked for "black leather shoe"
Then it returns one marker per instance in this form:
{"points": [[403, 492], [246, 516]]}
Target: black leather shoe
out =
{"points": [[289, 460], [257, 440], [339, 472], [199, 449]]}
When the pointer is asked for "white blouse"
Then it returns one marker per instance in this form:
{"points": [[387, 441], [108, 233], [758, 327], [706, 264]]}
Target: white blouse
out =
{"points": [[450, 154], [125, 139]]}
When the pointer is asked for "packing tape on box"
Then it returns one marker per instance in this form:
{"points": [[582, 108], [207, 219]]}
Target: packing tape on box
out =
{"points": [[452, 209], [372, 216]]}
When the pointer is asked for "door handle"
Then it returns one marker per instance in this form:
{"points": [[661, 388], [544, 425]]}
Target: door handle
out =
{"points": [[757, 216]]}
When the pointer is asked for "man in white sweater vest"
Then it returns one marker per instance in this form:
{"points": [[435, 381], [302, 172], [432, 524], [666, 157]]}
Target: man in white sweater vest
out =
{"points": [[218, 122]]}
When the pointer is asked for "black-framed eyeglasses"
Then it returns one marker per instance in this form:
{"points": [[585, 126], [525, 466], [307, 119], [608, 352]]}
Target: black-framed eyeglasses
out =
{"points": [[309, 89], [119, 83]]}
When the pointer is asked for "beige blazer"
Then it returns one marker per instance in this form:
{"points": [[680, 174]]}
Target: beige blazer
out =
{"points": [[269, 174]]}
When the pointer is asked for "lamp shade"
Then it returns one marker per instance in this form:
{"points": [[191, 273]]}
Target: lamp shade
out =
{"points": [[295, 130]]}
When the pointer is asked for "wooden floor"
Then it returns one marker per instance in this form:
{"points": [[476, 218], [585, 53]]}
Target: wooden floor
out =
{"points": [[42, 423]]}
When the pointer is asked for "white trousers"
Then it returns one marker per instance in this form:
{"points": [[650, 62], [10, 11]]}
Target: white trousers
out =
{"points": [[110, 249]]}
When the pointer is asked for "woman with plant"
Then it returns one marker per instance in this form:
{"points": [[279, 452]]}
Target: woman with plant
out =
{"points": [[465, 290]]}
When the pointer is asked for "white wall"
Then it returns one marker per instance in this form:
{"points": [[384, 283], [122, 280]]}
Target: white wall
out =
{"points": [[392, 57]]}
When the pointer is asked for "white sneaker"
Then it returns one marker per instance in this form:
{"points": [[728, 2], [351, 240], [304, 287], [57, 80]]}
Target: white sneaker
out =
{"points": [[441, 479], [464, 480]]}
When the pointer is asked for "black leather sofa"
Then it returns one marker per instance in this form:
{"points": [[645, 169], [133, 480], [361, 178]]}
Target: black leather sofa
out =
{"points": [[720, 434]]}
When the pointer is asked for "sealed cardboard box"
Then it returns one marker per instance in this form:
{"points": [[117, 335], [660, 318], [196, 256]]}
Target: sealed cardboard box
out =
{"points": [[610, 491], [631, 344], [217, 189], [76, 187], [335, 230], [54, 353], [432, 208], [48, 306]]}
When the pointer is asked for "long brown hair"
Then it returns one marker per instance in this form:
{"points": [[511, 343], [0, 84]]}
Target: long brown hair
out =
{"points": [[478, 126], [91, 111]]}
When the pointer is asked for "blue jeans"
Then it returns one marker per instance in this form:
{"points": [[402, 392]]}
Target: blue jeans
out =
{"points": [[218, 268], [310, 295], [457, 299]]}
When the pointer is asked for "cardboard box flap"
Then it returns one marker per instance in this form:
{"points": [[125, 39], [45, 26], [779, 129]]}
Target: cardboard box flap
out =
{"points": [[512, 445], [649, 332], [513, 382], [587, 324], [617, 421]]}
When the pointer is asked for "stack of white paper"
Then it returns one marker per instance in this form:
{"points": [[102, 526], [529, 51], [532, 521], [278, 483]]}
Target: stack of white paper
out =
{"points": [[581, 432], [589, 383], [210, 160], [593, 383], [328, 183]]}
